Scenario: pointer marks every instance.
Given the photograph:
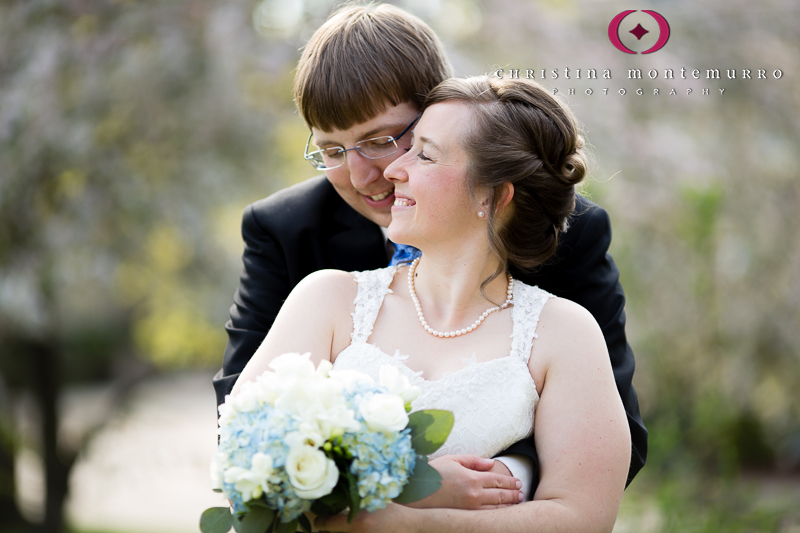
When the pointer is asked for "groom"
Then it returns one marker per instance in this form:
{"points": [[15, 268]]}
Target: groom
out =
{"points": [[364, 74]]}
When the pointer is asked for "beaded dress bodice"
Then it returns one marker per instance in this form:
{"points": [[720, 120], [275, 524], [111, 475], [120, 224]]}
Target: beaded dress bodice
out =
{"points": [[493, 401]]}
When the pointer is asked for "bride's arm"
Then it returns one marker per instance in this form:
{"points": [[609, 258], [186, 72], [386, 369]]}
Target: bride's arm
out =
{"points": [[581, 434], [314, 318]]}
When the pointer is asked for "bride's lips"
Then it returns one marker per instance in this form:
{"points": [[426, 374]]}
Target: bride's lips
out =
{"points": [[380, 200]]}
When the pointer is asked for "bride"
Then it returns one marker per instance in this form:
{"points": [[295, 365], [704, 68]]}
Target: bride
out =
{"points": [[488, 183]]}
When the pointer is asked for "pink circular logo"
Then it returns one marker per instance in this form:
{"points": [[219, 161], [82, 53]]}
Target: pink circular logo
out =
{"points": [[638, 31]]}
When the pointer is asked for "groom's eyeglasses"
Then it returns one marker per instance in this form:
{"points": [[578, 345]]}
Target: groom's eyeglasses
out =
{"points": [[375, 148]]}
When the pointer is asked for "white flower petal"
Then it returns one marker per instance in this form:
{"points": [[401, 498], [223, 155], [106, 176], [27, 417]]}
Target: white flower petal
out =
{"points": [[323, 368], [384, 412], [310, 472]]}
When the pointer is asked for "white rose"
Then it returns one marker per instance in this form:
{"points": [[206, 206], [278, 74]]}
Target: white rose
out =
{"points": [[384, 412], [319, 403], [301, 399], [332, 414], [390, 377], [245, 400], [336, 420], [293, 365], [327, 392], [269, 386], [307, 434], [310, 472], [242, 481]]}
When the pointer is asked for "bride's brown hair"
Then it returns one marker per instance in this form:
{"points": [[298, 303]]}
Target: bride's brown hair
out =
{"points": [[520, 134]]}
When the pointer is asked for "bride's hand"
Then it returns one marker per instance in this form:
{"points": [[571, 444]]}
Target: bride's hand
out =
{"points": [[471, 482]]}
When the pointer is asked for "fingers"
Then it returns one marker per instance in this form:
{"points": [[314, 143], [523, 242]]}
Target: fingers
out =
{"points": [[467, 485], [498, 491], [496, 498], [473, 462], [500, 467], [495, 481]]}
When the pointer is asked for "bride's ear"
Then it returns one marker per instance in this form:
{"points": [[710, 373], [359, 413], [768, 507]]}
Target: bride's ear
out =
{"points": [[504, 193], [502, 197]]}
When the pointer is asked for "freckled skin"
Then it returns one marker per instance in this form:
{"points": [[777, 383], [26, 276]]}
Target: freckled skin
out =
{"points": [[432, 174]]}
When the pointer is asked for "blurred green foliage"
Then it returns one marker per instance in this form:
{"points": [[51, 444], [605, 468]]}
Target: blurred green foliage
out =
{"points": [[125, 129]]}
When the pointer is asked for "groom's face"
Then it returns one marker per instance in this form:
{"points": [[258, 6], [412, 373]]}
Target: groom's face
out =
{"points": [[360, 181]]}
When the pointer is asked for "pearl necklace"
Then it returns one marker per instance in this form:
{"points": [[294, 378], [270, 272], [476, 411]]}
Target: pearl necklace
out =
{"points": [[457, 332]]}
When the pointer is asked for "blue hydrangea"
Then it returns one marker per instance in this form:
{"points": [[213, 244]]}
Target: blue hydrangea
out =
{"points": [[262, 431], [382, 462]]}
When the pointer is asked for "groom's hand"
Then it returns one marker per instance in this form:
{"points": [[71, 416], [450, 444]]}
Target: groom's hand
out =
{"points": [[471, 482]]}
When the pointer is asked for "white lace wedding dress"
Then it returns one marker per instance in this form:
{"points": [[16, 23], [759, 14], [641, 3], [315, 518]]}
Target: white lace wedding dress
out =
{"points": [[493, 401]]}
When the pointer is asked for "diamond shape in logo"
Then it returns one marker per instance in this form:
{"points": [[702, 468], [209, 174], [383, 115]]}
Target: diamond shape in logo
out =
{"points": [[639, 32]]}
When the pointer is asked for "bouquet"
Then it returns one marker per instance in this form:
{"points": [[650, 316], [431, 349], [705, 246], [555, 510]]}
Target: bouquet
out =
{"points": [[303, 439]]}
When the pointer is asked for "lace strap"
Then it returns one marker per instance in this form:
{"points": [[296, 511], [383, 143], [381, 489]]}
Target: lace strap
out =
{"points": [[373, 286], [528, 304]]}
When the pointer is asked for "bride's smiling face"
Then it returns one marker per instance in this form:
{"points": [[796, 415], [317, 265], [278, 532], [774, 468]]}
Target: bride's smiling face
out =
{"points": [[433, 202]]}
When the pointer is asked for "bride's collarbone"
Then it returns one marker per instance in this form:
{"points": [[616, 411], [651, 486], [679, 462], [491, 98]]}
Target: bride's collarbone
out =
{"points": [[394, 333]]}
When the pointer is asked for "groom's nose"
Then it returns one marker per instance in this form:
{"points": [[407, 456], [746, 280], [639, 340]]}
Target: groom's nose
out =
{"points": [[363, 171]]}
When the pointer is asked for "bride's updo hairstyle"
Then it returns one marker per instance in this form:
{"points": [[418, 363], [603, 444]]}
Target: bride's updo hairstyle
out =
{"points": [[523, 135]]}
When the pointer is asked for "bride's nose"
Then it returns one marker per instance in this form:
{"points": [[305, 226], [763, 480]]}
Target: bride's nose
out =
{"points": [[396, 171]]}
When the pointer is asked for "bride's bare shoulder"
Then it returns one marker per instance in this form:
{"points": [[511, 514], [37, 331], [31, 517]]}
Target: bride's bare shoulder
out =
{"points": [[327, 285], [562, 309], [568, 330], [329, 277]]}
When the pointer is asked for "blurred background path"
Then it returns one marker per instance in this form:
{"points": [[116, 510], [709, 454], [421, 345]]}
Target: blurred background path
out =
{"points": [[148, 469]]}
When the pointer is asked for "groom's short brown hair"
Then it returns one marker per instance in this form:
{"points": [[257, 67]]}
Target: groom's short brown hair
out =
{"points": [[362, 58]]}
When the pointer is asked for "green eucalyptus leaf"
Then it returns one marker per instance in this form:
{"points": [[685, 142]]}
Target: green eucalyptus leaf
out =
{"points": [[305, 523], [424, 481], [216, 520], [257, 503], [322, 509], [429, 429], [289, 527], [257, 520], [333, 503]]}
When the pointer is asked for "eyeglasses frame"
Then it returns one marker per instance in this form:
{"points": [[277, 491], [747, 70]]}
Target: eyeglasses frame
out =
{"points": [[307, 156]]}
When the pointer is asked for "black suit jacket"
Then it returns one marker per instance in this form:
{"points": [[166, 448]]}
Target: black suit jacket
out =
{"points": [[308, 227]]}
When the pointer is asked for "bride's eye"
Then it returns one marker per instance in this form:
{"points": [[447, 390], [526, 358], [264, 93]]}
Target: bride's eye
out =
{"points": [[424, 157]]}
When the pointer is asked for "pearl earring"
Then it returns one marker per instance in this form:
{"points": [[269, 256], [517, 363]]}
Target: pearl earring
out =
{"points": [[481, 214]]}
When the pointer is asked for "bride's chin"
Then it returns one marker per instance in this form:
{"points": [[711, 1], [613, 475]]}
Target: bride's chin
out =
{"points": [[396, 234]]}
